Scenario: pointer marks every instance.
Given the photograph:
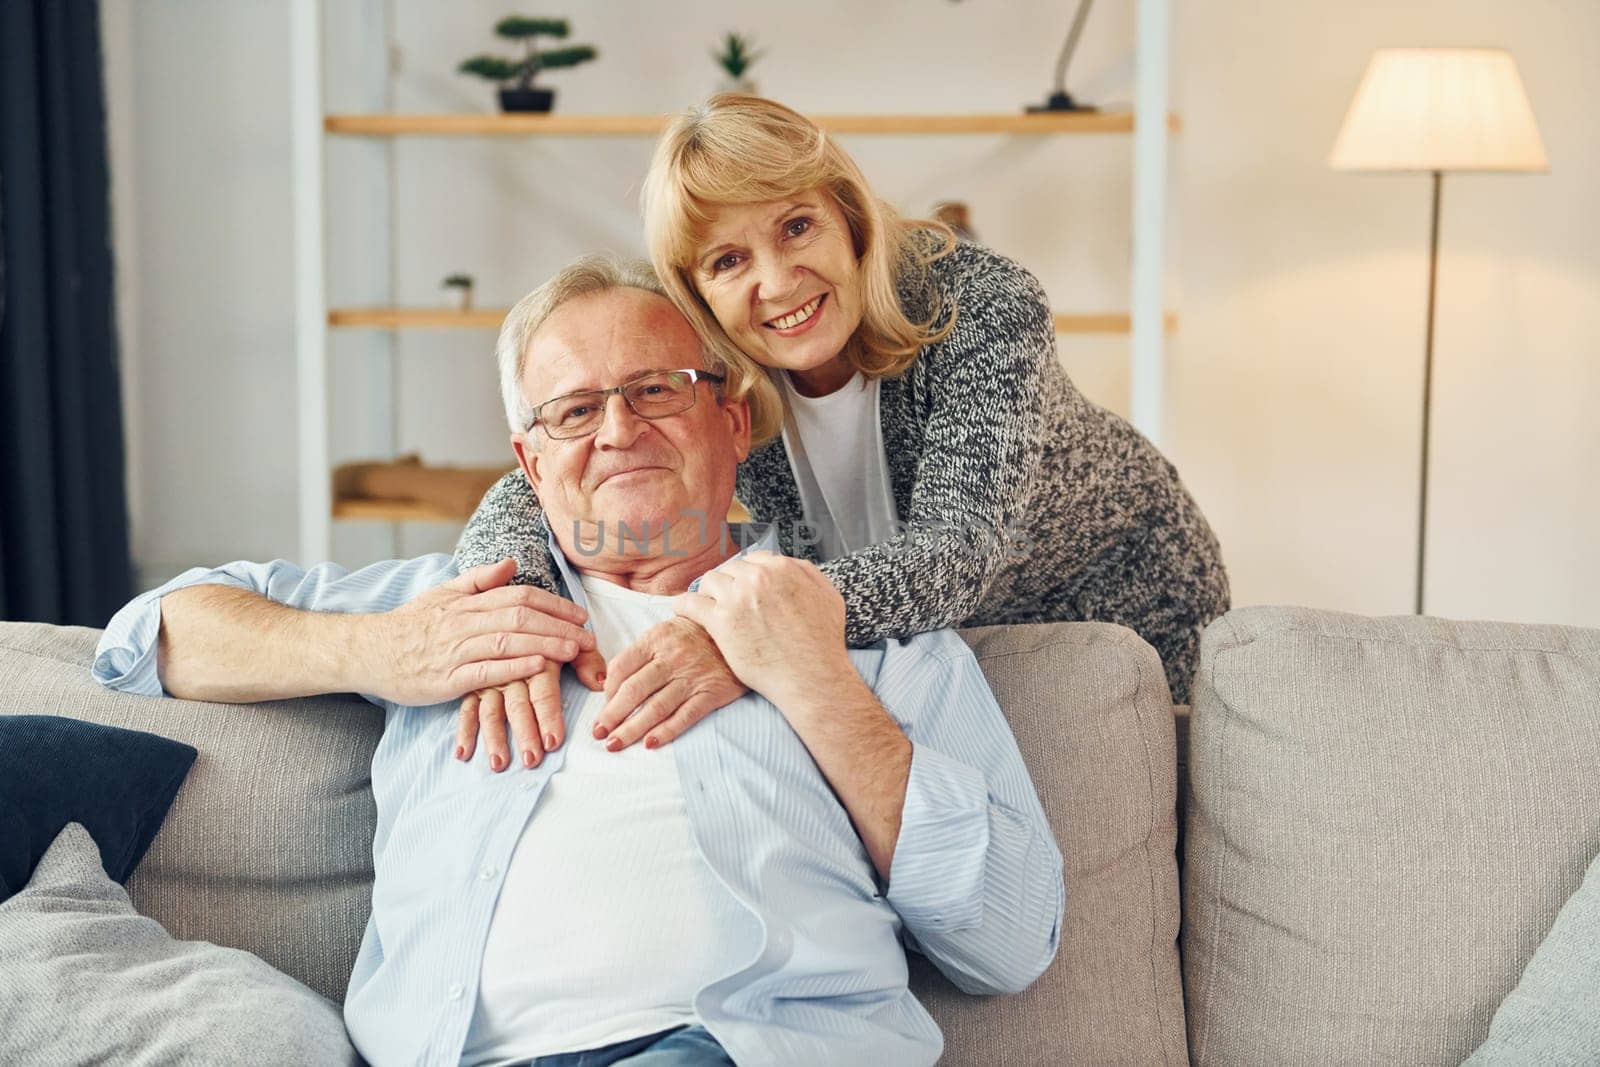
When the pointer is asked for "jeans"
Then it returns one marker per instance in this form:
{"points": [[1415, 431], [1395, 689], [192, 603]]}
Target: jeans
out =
{"points": [[686, 1046]]}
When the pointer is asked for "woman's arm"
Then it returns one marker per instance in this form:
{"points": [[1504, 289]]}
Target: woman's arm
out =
{"points": [[510, 522], [989, 386]]}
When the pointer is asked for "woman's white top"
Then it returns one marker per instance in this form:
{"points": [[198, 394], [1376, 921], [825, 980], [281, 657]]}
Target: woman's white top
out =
{"points": [[835, 446], [610, 920]]}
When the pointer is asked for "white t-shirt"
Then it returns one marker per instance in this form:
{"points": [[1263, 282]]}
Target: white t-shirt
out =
{"points": [[835, 446], [610, 920]]}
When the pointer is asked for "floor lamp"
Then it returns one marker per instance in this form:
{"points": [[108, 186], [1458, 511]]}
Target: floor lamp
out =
{"points": [[1433, 110]]}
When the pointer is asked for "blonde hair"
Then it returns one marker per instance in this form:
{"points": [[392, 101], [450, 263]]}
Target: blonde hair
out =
{"points": [[736, 149], [598, 274]]}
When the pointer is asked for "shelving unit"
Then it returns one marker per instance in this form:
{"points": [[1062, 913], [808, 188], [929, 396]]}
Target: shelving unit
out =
{"points": [[1147, 322]]}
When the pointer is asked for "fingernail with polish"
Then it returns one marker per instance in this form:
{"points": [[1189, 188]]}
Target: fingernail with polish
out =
{"points": [[527, 757], [549, 742], [494, 762], [651, 742], [614, 745], [461, 751], [600, 731]]}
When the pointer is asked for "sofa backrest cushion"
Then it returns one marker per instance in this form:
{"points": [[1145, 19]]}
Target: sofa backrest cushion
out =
{"points": [[268, 845], [1090, 708], [1385, 816]]}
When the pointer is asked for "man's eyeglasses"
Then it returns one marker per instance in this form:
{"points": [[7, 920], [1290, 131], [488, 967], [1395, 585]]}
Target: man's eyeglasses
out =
{"points": [[654, 395]]}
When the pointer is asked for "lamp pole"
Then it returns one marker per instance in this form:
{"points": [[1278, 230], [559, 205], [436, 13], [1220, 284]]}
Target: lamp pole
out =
{"points": [[1427, 388]]}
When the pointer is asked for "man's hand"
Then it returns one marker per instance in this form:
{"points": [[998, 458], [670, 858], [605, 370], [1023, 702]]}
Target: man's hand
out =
{"points": [[778, 622], [530, 710], [669, 679], [469, 633]]}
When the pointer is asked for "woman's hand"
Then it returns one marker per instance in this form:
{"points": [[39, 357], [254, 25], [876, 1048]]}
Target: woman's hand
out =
{"points": [[664, 683], [528, 712]]}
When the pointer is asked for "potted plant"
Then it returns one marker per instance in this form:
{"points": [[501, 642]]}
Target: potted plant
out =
{"points": [[462, 284], [735, 57], [516, 75]]}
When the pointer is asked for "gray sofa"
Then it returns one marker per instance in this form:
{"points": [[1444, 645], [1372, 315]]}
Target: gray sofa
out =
{"points": [[1381, 818]]}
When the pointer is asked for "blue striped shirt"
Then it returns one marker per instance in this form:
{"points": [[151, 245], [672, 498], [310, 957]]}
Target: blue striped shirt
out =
{"points": [[975, 883]]}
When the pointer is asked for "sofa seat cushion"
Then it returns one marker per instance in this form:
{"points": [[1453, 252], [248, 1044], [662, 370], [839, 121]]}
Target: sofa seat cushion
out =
{"points": [[1385, 816]]}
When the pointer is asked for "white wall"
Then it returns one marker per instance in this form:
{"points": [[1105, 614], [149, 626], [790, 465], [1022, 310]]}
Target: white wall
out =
{"points": [[1294, 389]]}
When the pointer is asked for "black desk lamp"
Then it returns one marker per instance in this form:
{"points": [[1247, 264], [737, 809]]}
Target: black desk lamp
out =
{"points": [[1061, 100]]}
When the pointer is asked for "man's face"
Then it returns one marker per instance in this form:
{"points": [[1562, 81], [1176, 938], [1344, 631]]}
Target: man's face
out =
{"points": [[648, 473]]}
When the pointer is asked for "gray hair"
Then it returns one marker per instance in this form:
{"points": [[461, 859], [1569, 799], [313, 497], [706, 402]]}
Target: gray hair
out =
{"points": [[582, 277]]}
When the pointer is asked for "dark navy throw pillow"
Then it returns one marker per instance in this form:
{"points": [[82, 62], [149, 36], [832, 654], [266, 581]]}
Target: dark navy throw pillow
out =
{"points": [[54, 770]]}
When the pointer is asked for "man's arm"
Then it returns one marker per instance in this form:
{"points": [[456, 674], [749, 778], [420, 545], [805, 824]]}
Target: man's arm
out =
{"points": [[234, 646], [861, 751], [931, 775], [408, 631]]}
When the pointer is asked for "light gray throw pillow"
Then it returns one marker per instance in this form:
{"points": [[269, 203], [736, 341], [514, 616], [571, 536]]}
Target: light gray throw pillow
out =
{"points": [[86, 979], [1553, 1016]]}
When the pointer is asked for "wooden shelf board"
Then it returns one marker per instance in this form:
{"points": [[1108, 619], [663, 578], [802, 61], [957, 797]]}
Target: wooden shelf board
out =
{"points": [[1115, 322], [394, 511], [491, 318], [417, 318], [564, 125], [412, 511]]}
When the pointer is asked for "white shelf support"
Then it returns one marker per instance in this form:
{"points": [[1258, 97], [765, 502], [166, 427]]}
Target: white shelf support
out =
{"points": [[310, 293], [1148, 387]]}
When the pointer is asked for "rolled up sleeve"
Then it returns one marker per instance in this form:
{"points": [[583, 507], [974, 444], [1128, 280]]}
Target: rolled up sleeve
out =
{"points": [[936, 877], [125, 658]]}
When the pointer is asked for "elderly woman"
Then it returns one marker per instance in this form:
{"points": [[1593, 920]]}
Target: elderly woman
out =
{"points": [[933, 457]]}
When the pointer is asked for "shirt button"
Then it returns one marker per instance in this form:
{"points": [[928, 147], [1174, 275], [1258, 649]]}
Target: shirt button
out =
{"points": [[488, 872], [455, 992]]}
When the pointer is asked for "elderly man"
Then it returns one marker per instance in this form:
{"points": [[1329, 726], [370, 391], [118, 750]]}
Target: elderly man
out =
{"points": [[738, 896]]}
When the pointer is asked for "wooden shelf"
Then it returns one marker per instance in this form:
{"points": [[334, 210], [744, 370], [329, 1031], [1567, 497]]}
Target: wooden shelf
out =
{"points": [[417, 318], [562, 125], [394, 511], [412, 511], [491, 318], [1115, 322]]}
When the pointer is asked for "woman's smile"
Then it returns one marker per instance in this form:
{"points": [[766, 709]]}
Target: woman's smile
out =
{"points": [[798, 321]]}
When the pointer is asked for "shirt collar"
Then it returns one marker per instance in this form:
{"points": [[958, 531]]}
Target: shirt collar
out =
{"points": [[752, 536]]}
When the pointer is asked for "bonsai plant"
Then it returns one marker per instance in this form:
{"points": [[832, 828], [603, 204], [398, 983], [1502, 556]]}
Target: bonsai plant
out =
{"points": [[735, 57], [462, 284], [517, 92]]}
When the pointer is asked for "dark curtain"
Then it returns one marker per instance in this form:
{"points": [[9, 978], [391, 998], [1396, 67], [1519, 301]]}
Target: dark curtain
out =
{"points": [[63, 508]]}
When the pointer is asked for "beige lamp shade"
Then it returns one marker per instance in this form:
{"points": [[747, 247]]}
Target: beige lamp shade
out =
{"points": [[1427, 109]]}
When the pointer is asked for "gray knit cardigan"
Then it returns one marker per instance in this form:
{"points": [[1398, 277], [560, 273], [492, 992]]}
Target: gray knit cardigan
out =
{"points": [[1025, 502]]}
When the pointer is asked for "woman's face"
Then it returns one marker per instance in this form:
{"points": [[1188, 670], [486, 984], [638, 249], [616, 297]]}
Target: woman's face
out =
{"points": [[783, 280]]}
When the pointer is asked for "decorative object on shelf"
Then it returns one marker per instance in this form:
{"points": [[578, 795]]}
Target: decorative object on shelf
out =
{"points": [[1060, 99], [1433, 110], [737, 55], [520, 95], [453, 491], [956, 215], [462, 284]]}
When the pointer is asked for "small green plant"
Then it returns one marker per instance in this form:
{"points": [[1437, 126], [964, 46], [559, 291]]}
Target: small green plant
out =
{"points": [[519, 73], [737, 55]]}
